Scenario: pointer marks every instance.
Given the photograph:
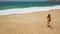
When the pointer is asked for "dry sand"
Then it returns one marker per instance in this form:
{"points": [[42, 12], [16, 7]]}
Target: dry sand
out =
{"points": [[32, 23]]}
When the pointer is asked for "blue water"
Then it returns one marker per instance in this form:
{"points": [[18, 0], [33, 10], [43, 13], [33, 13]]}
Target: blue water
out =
{"points": [[9, 5]]}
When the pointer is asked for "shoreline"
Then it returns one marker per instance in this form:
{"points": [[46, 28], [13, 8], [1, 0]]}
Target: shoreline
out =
{"points": [[28, 10], [53, 10], [7, 13]]}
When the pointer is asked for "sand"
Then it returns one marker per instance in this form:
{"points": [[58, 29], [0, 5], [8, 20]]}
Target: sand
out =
{"points": [[31, 23]]}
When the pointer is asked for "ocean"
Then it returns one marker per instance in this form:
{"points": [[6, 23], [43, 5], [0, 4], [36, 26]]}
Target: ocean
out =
{"points": [[7, 5], [25, 7]]}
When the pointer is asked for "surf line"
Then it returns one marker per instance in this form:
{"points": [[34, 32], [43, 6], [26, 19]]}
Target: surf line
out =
{"points": [[48, 21]]}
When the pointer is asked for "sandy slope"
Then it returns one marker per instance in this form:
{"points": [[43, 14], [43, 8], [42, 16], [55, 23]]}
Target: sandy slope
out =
{"points": [[33, 23]]}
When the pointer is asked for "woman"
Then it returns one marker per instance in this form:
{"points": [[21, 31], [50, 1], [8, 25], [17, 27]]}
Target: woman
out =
{"points": [[49, 20]]}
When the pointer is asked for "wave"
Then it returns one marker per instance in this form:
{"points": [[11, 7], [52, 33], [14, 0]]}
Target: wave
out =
{"points": [[27, 10]]}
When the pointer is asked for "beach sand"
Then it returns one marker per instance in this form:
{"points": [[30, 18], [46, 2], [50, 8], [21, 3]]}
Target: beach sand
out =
{"points": [[30, 23]]}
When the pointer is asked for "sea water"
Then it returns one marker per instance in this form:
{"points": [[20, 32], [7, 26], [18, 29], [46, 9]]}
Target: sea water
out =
{"points": [[7, 8]]}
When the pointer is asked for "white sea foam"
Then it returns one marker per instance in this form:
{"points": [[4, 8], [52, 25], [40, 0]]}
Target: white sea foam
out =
{"points": [[27, 10]]}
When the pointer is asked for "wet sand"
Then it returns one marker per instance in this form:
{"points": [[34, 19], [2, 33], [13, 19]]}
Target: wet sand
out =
{"points": [[31, 23]]}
